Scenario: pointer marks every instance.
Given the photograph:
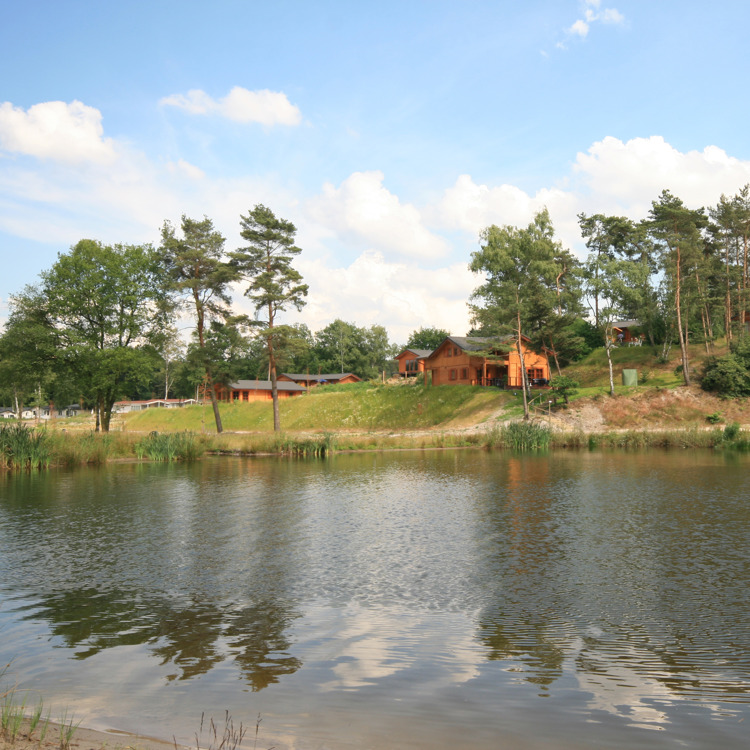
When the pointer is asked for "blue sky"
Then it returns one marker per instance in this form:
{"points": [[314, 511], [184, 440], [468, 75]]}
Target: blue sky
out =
{"points": [[390, 133]]}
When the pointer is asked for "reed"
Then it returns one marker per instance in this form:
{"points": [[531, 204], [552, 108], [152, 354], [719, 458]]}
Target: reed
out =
{"points": [[23, 447], [229, 738], [11, 716], [525, 435], [68, 729], [170, 446]]}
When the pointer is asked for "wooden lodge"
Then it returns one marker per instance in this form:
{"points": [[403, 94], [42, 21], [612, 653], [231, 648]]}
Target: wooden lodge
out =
{"points": [[624, 332], [256, 390], [309, 381], [475, 360], [411, 361]]}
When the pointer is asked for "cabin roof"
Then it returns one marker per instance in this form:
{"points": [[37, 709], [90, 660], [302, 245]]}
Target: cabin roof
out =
{"points": [[265, 385], [421, 353], [478, 343], [330, 377]]}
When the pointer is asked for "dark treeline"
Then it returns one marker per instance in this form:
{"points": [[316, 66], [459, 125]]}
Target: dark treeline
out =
{"points": [[101, 323]]}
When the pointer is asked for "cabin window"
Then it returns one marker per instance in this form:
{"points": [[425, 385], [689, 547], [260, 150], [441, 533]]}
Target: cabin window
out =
{"points": [[453, 374], [450, 351], [235, 395], [535, 372], [455, 351], [464, 373]]}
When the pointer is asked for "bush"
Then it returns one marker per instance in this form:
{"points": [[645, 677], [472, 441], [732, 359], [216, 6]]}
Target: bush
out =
{"points": [[564, 386], [727, 376]]}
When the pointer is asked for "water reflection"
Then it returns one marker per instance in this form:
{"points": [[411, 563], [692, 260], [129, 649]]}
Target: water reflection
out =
{"points": [[611, 585]]}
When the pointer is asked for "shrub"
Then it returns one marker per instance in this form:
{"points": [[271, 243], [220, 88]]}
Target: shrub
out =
{"points": [[726, 376], [564, 386]]}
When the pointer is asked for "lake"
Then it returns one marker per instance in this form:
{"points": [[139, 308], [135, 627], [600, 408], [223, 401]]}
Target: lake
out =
{"points": [[440, 599]]}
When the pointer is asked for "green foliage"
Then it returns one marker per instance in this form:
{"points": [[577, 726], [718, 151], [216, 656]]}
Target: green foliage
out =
{"points": [[731, 432], [726, 376], [592, 336], [22, 447], [426, 338], [199, 275], [525, 435], [274, 285], [103, 303], [170, 446], [564, 386], [345, 347], [715, 418]]}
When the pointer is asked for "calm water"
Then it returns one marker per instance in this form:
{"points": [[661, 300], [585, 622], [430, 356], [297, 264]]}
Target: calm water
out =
{"points": [[409, 600]]}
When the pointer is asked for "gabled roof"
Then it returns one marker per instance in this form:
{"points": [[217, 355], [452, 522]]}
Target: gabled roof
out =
{"points": [[328, 377], [265, 385], [626, 324], [478, 343], [420, 353]]}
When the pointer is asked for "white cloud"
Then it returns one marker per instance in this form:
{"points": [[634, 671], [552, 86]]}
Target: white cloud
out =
{"points": [[364, 212], [240, 105], [624, 177], [185, 169], [579, 28], [401, 296], [58, 131], [593, 13]]}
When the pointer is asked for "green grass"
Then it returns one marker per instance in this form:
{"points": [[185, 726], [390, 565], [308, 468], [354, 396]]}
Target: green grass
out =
{"points": [[360, 407]]}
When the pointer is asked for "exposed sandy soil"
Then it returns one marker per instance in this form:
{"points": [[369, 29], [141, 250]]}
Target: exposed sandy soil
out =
{"points": [[84, 739]]}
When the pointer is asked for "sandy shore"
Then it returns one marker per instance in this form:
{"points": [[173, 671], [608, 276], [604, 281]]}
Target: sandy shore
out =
{"points": [[84, 739]]}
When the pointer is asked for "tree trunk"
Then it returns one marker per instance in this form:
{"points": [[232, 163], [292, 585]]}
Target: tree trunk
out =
{"points": [[608, 348], [681, 333], [523, 370], [274, 385], [209, 377], [214, 401]]}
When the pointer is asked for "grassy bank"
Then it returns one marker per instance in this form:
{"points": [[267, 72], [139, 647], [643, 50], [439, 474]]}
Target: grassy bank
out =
{"points": [[360, 407], [81, 449]]}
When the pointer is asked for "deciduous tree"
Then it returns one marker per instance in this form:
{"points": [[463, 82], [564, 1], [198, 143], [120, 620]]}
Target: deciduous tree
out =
{"points": [[104, 303]]}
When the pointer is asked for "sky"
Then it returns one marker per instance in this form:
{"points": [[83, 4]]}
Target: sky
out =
{"points": [[389, 133]]}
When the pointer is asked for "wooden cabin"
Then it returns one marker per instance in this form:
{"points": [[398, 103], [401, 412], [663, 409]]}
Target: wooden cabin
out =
{"points": [[309, 381], [256, 390], [411, 361], [624, 332], [475, 360]]}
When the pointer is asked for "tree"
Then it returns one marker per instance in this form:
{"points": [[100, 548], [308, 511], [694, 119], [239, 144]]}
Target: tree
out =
{"points": [[617, 285], [346, 347], [426, 338], [677, 231], [104, 303], [274, 284], [520, 267], [200, 276], [27, 349]]}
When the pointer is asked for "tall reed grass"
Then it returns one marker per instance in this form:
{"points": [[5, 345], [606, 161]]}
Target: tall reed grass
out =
{"points": [[170, 446], [23, 447], [526, 435]]}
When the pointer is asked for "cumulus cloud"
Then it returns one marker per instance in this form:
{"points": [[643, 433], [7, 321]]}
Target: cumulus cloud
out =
{"points": [[365, 212], [371, 290], [65, 132], [592, 13], [240, 105], [624, 177]]}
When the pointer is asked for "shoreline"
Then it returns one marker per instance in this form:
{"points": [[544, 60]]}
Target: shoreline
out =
{"points": [[85, 738]]}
